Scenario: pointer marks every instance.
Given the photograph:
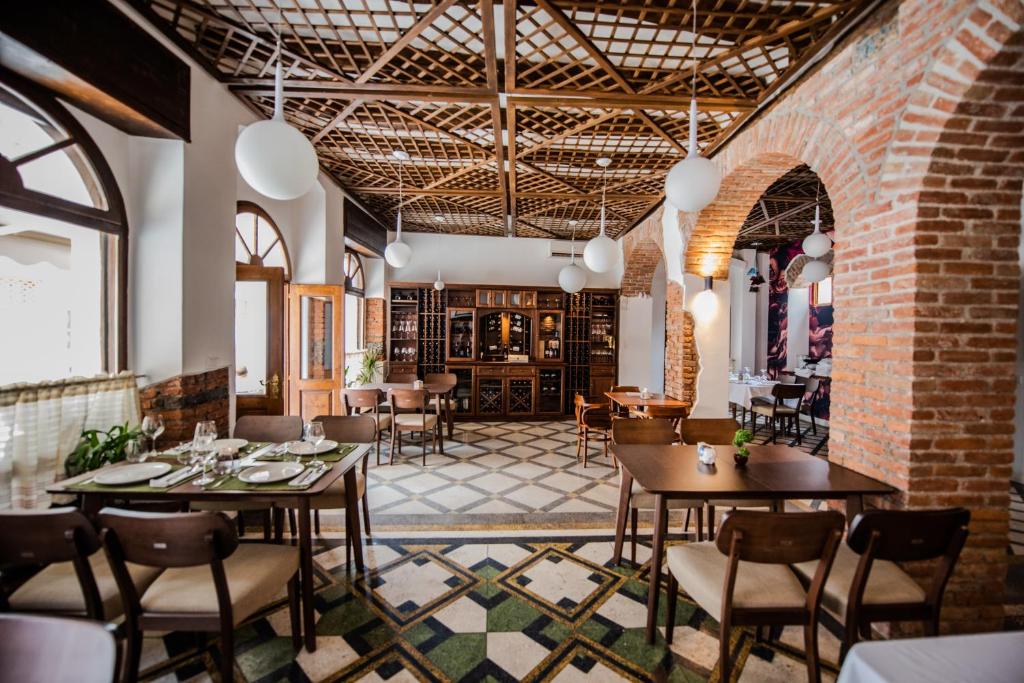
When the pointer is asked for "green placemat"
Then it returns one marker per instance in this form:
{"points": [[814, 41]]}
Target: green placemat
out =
{"points": [[330, 456], [141, 487]]}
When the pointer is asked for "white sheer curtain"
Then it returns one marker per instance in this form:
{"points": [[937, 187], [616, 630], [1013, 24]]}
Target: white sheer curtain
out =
{"points": [[40, 425]]}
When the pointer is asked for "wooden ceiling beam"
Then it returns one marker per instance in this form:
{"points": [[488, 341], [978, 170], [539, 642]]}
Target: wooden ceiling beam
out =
{"points": [[405, 40], [582, 99], [491, 66], [653, 125], [777, 217], [342, 115], [331, 90], [462, 192]]}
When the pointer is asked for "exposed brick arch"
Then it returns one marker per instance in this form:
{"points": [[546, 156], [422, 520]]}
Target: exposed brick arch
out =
{"points": [[641, 258]]}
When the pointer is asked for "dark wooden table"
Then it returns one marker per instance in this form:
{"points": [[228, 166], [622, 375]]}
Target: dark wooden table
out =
{"points": [[774, 472], [37, 649], [442, 389], [632, 399], [93, 501]]}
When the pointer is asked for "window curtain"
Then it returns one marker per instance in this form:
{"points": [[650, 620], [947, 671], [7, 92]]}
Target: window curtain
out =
{"points": [[40, 425]]}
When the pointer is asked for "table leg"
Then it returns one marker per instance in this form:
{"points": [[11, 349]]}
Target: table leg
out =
{"points": [[451, 417], [854, 506], [660, 522], [625, 486], [352, 518], [306, 574]]}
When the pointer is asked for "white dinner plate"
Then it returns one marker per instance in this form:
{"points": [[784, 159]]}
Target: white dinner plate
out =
{"points": [[132, 474], [270, 472], [306, 448], [237, 444]]}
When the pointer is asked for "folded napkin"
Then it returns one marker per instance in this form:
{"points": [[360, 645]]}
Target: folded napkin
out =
{"points": [[173, 479]]}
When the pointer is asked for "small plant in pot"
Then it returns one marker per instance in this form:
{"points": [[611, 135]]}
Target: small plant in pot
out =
{"points": [[740, 440]]}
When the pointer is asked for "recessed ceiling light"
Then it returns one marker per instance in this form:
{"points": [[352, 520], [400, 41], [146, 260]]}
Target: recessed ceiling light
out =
{"points": [[401, 155]]}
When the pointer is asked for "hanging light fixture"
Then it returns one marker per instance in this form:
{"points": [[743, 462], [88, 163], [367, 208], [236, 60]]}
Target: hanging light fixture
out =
{"points": [[398, 253], [572, 278], [600, 253], [693, 183], [439, 283], [275, 158], [816, 270], [817, 243]]}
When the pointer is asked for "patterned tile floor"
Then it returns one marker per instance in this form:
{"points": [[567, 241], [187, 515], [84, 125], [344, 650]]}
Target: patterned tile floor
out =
{"points": [[522, 606]]}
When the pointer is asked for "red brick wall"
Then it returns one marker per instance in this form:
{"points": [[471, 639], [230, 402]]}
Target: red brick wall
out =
{"points": [[641, 254], [187, 399], [913, 124], [373, 322]]}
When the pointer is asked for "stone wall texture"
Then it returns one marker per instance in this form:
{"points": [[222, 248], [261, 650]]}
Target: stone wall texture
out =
{"points": [[187, 399]]}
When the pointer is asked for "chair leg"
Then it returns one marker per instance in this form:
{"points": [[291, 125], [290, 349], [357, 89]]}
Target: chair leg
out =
{"points": [[586, 445], [239, 517], [266, 525], [814, 424], [700, 523], [378, 448], [132, 654], [673, 598], [391, 450], [811, 652], [775, 426], [294, 612], [724, 665], [711, 522], [366, 513], [291, 522], [423, 445], [316, 521], [632, 533], [796, 425], [227, 654]]}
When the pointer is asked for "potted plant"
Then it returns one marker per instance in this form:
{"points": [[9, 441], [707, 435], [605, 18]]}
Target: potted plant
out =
{"points": [[739, 440], [97, 448], [371, 365]]}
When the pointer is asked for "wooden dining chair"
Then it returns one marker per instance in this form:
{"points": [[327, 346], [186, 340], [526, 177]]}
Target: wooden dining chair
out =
{"points": [[443, 403], [742, 578], [593, 417], [416, 418], [402, 378], [809, 402], [866, 585], [366, 402], [720, 432], [256, 428], [652, 431], [75, 580], [209, 582], [622, 388], [41, 649], [779, 411], [675, 414]]}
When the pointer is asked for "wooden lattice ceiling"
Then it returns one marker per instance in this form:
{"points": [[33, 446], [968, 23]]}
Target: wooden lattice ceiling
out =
{"points": [[785, 212], [492, 137]]}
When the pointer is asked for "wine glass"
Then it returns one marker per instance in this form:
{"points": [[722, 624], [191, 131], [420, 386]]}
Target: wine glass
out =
{"points": [[314, 435], [202, 448], [152, 427]]}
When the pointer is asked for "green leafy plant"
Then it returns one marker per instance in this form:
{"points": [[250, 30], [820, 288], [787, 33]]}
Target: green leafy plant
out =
{"points": [[371, 363], [97, 448], [740, 439]]}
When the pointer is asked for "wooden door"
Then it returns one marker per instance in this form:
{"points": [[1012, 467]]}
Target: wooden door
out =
{"points": [[259, 340], [316, 371]]}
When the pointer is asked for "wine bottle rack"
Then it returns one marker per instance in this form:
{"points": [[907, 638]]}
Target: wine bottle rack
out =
{"points": [[577, 337], [520, 396], [432, 308], [491, 397]]}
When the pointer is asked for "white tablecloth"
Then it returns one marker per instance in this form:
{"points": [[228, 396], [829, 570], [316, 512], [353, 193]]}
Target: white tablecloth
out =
{"points": [[985, 658], [740, 393]]}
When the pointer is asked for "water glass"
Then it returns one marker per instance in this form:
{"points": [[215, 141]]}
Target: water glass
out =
{"points": [[133, 451]]}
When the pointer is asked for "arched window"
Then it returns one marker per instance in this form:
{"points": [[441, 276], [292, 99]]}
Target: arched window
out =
{"points": [[63, 243], [258, 242], [355, 282]]}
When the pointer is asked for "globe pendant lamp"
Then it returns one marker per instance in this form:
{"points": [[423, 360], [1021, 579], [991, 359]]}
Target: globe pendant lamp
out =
{"points": [[600, 253], [817, 243], [272, 156], [693, 183], [439, 283], [816, 270], [572, 278], [398, 253]]}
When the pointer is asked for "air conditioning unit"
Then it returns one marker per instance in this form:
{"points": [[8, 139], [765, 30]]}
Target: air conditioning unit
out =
{"points": [[560, 249]]}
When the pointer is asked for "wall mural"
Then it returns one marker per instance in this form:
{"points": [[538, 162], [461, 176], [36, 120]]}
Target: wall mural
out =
{"points": [[819, 321]]}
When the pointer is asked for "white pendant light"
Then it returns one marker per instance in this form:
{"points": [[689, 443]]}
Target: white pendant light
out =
{"points": [[817, 243], [439, 283], [572, 278], [693, 183], [600, 253], [398, 253], [275, 158], [816, 270]]}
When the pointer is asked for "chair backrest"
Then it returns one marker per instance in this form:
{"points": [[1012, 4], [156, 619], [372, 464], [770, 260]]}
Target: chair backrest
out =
{"points": [[786, 392], [708, 430], [908, 535], [272, 428], [624, 387], [29, 537], [160, 539], [402, 378], [408, 399], [653, 431], [449, 378], [670, 412], [811, 387], [360, 398], [779, 537], [349, 428], [792, 379]]}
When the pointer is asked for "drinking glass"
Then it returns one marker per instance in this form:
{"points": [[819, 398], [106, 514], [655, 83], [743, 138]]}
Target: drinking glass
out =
{"points": [[152, 427], [314, 435], [202, 448], [223, 464], [133, 451]]}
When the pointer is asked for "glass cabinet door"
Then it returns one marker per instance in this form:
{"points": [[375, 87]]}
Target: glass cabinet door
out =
{"points": [[460, 333], [492, 339], [519, 332], [549, 335]]}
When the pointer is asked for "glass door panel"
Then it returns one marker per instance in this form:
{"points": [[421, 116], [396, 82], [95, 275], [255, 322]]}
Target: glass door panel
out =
{"points": [[461, 334]]}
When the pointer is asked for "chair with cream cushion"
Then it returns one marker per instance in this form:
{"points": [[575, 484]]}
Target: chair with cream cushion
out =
{"points": [[257, 428], [210, 582], [652, 431], [367, 402], [442, 403], [420, 419], [77, 580], [742, 578], [866, 585]]}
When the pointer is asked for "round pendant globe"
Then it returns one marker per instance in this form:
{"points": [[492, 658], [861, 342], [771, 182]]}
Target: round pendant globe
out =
{"points": [[438, 285], [704, 305], [397, 254], [572, 278], [600, 253], [817, 244], [816, 271], [692, 183], [276, 159]]}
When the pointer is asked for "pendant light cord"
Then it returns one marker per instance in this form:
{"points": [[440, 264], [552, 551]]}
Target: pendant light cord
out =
{"points": [[692, 151], [279, 83], [399, 220], [572, 246], [604, 188]]}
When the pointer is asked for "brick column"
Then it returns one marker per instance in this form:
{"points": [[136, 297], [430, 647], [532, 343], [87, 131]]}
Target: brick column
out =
{"points": [[187, 399], [373, 322]]}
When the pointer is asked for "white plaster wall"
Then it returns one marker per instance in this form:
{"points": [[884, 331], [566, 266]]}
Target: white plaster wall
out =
{"points": [[743, 312], [471, 259], [798, 310], [635, 314], [656, 373], [373, 271], [761, 325]]}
